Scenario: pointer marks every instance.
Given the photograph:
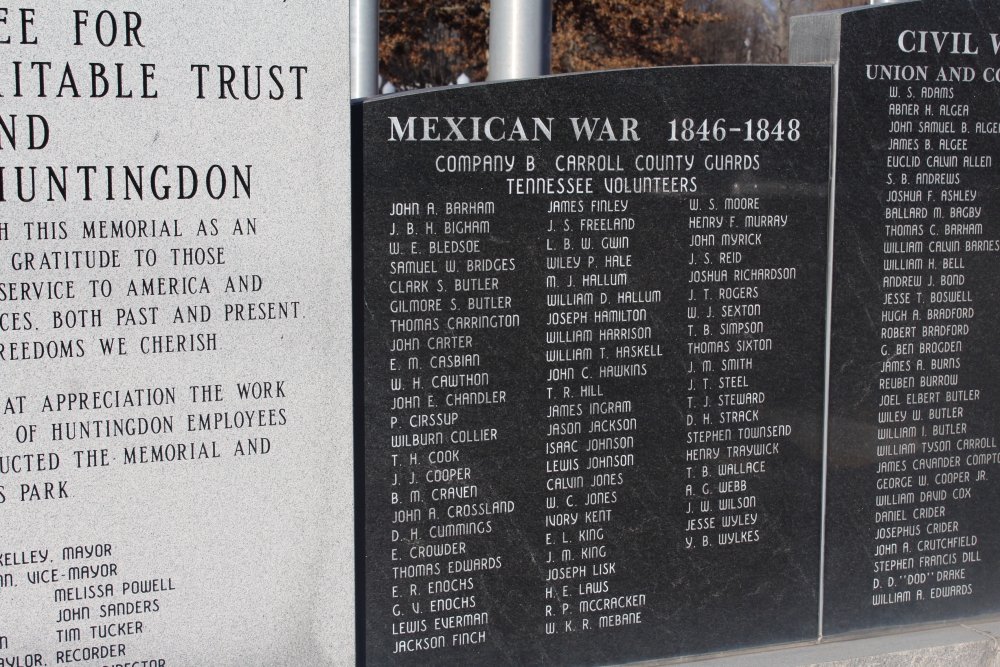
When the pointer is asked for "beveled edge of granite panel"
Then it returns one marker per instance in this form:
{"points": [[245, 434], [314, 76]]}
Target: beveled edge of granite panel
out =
{"points": [[973, 643]]}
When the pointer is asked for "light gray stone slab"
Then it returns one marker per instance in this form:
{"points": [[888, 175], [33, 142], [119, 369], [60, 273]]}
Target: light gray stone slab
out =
{"points": [[971, 645], [252, 554]]}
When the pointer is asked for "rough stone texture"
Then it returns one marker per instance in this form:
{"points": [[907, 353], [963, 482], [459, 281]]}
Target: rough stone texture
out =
{"points": [[964, 645], [985, 653]]}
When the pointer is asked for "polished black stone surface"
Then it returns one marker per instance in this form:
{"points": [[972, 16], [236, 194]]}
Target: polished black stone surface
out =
{"points": [[593, 313], [912, 528]]}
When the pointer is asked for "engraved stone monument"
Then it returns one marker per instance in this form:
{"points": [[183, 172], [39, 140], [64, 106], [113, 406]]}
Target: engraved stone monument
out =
{"points": [[593, 327], [175, 484], [910, 532]]}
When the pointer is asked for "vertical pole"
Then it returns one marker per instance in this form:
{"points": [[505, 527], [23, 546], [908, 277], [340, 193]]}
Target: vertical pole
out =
{"points": [[364, 48], [520, 39]]}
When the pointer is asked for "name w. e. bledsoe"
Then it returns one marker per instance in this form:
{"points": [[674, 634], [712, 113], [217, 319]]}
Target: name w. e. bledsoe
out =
{"points": [[939, 43]]}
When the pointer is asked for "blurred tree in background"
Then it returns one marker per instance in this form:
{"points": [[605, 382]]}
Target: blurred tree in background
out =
{"points": [[613, 34], [432, 42], [755, 31]]}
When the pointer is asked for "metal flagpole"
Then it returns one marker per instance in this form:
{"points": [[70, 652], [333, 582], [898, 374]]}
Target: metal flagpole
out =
{"points": [[520, 39], [364, 48]]}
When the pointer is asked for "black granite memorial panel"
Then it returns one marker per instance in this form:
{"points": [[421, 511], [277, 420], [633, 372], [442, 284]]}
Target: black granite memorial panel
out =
{"points": [[593, 318], [912, 528]]}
